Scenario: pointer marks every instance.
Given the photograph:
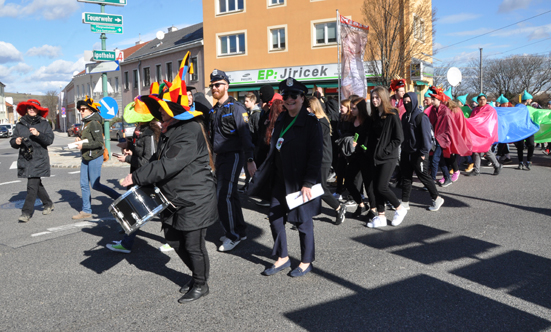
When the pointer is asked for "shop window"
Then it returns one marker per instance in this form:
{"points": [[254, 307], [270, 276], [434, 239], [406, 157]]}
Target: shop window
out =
{"points": [[232, 44], [277, 39], [325, 33], [228, 6]]}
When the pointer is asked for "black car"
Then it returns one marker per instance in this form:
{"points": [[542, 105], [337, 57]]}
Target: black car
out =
{"points": [[4, 132]]}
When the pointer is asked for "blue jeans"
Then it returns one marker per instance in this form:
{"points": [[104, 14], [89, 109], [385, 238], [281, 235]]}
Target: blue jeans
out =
{"points": [[438, 153], [90, 172]]}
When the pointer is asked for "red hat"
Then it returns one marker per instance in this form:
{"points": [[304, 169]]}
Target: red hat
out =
{"points": [[438, 93], [396, 84], [22, 107], [276, 96]]}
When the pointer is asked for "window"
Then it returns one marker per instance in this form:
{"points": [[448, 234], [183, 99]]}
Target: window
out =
{"points": [[275, 2], [277, 39], [158, 72], [126, 80], [226, 6], [232, 44], [116, 84], [78, 91], [88, 90], [169, 71], [83, 91], [326, 33], [418, 28], [136, 79], [146, 77], [194, 76]]}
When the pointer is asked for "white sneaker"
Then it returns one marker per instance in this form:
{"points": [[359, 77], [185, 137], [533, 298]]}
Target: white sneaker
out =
{"points": [[377, 221], [228, 245], [436, 204], [399, 216], [165, 247], [223, 238]]}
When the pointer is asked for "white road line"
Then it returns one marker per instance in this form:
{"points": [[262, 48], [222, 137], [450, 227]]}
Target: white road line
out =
{"points": [[13, 165], [81, 224], [9, 182], [41, 233], [74, 172]]}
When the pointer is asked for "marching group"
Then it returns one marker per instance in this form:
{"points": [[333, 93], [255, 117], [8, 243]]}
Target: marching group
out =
{"points": [[195, 154]]}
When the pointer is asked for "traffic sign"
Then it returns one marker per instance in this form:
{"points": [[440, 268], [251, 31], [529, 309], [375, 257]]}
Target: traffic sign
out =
{"points": [[96, 28], [104, 56], [103, 19], [108, 108], [104, 67], [106, 2]]}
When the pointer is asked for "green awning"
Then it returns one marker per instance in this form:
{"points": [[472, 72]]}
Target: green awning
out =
{"points": [[421, 83]]}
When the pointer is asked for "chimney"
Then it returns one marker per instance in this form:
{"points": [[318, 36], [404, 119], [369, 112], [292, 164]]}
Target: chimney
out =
{"points": [[172, 29]]}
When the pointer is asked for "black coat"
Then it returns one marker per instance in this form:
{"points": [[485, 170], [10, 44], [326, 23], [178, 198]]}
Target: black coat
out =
{"points": [[143, 146], [388, 144], [39, 164], [181, 169], [301, 156], [327, 144]]}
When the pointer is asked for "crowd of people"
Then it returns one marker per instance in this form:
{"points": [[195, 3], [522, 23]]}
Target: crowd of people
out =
{"points": [[287, 143]]}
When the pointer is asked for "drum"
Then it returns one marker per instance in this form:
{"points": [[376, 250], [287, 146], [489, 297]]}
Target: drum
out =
{"points": [[137, 206]]}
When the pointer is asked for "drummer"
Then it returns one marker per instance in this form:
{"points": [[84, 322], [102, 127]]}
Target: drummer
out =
{"points": [[183, 170]]}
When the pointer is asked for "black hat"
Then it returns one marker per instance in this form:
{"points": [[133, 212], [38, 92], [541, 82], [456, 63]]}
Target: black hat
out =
{"points": [[292, 85], [218, 75], [266, 93], [190, 88]]}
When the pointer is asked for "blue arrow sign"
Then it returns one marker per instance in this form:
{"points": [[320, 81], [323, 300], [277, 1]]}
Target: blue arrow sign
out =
{"points": [[108, 108]]}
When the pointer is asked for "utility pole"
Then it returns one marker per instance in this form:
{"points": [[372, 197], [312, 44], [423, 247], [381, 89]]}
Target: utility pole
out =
{"points": [[481, 87]]}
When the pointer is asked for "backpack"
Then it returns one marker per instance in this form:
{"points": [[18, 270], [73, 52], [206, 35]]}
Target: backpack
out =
{"points": [[418, 120]]}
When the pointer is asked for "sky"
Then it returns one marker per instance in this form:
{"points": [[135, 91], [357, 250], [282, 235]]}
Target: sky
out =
{"points": [[43, 41]]}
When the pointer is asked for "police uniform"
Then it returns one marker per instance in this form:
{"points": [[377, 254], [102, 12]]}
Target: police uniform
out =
{"points": [[233, 146], [291, 164]]}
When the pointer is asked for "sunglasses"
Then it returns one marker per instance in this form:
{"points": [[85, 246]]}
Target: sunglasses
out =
{"points": [[290, 95], [216, 85], [82, 109]]}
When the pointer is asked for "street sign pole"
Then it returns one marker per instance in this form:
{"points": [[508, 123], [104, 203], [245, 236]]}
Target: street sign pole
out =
{"points": [[106, 124]]}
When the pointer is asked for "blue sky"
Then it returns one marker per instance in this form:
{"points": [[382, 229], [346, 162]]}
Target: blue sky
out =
{"points": [[43, 41]]}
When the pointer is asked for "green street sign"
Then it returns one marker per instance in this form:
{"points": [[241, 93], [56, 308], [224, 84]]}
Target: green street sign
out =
{"points": [[103, 19], [105, 29], [106, 2], [104, 56]]}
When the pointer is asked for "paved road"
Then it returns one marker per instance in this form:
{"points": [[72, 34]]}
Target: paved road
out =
{"points": [[482, 263]]}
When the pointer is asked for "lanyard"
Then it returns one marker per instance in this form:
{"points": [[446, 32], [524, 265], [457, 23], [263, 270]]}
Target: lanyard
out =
{"points": [[289, 126]]}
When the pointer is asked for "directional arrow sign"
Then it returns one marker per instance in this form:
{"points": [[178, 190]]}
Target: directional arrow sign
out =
{"points": [[106, 2], [103, 19], [105, 29], [104, 67], [109, 108]]}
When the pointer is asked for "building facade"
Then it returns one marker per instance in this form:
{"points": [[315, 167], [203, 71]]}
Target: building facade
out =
{"points": [[160, 60], [265, 41], [4, 116]]}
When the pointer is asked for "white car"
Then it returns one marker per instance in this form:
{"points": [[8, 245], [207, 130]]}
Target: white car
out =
{"points": [[116, 131], [10, 128]]}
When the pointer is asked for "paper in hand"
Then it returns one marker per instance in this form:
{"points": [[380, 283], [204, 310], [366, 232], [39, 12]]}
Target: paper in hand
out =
{"points": [[75, 144], [295, 199]]}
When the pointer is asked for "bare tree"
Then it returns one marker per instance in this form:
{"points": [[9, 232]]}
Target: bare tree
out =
{"points": [[50, 101], [399, 31]]}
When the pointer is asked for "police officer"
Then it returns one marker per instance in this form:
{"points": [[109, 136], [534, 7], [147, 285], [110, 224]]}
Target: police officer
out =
{"points": [[233, 146], [293, 164]]}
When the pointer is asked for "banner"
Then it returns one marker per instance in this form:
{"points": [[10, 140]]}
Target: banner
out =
{"points": [[353, 39]]}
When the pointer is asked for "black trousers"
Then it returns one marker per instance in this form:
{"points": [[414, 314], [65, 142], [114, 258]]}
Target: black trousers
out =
{"points": [[190, 246], [228, 168], [341, 173], [34, 189], [520, 149], [383, 173], [366, 168], [327, 196], [410, 162], [451, 162], [278, 218]]}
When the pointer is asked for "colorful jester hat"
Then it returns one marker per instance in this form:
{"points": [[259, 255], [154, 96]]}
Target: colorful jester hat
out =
{"points": [[463, 99], [439, 94], [172, 97], [136, 112], [89, 102], [396, 84]]}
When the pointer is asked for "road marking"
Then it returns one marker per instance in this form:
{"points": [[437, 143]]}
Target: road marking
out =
{"points": [[81, 224], [9, 182], [13, 165], [74, 172], [42, 233]]}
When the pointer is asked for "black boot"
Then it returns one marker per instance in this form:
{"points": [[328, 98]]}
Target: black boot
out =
{"points": [[185, 288], [196, 292], [360, 210]]}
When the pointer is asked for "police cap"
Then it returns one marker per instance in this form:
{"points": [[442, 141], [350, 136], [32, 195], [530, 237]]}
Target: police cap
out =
{"points": [[218, 75], [291, 85]]}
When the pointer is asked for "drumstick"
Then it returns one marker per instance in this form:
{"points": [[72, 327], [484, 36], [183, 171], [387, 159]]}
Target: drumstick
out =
{"points": [[120, 181]]}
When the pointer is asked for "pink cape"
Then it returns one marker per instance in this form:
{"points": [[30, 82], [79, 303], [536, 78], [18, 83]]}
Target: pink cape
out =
{"points": [[483, 127], [450, 131]]}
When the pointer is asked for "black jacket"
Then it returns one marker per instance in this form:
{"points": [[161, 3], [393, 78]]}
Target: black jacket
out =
{"points": [[92, 130], [39, 164], [143, 146], [301, 156], [229, 128], [181, 169], [327, 145], [416, 138], [388, 144]]}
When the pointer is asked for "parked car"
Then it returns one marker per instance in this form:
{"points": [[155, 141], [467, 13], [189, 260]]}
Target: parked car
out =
{"points": [[116, 131], [4, 132], [10, 127], [74, 130]]}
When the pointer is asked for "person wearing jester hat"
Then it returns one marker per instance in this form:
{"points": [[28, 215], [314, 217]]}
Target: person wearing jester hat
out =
{"points": [[399, 88], [183, 169], [92, 156], [526, 99], [503, 148], [32, 136]]}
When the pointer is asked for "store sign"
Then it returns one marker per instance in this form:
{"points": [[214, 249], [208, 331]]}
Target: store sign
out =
{"points": [[421, 70], [300, 73]]}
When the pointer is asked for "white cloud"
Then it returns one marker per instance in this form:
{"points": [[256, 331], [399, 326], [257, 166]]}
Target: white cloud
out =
{"points": [[45, 51], [511, 5], [458, 18], [22, 68], [58, 70], [49, 9], [148, 36], [7, 74], [8, 53]]}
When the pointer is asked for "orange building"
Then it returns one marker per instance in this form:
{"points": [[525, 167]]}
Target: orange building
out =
{"points": [[259, 42]]}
